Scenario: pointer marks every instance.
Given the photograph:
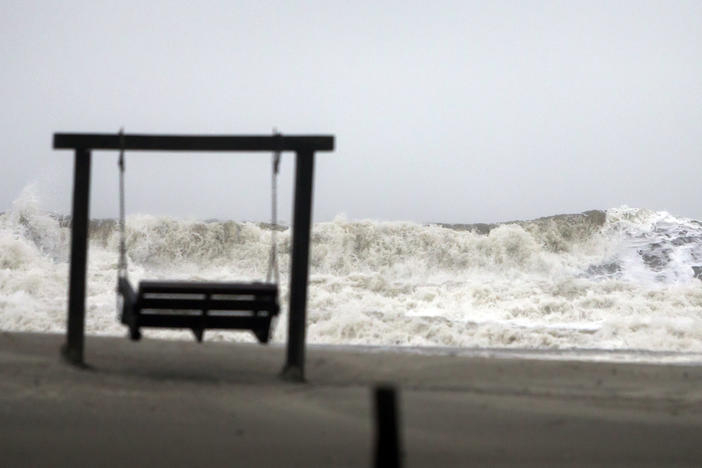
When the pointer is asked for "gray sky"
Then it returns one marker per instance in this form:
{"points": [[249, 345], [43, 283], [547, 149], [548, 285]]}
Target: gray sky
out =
{"points": [[443, 111]]}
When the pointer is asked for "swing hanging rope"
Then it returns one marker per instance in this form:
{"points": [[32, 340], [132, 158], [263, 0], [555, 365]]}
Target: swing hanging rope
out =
{"points": [[273, 257], [122, 264], [273, 270]]}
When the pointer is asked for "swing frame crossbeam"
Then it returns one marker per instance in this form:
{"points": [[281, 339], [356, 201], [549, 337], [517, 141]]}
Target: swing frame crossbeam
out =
{"points": [[304, 146]]}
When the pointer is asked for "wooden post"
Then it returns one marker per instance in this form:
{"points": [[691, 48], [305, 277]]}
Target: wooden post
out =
{"points": [[73, 349], [387, 429], [302, 222]]}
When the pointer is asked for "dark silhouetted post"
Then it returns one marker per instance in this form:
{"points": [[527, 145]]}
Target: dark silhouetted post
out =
{"points": [[387, 437], [73, 349], [302, 221]]}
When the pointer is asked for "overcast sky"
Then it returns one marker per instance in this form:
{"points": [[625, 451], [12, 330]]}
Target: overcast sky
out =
{"points": [[442, 111]]}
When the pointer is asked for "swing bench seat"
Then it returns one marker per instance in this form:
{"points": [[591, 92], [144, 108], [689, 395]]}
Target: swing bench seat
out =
{"points": [[199, 306]]}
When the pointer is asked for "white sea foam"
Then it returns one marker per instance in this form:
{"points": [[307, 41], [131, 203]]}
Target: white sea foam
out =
{"points": [[621, 279]]}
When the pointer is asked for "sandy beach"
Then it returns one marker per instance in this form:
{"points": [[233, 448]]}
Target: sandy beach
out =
{"points": [[172, 403]]}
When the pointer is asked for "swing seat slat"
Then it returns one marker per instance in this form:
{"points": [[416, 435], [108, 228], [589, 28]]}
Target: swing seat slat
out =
{"points": [[207, 287]]}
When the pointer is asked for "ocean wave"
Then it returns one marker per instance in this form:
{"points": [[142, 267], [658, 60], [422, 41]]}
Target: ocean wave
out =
{"points": [[621, 278]]}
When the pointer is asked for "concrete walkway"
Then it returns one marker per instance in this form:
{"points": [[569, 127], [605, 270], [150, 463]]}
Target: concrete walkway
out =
{"points": [[172, 404]]}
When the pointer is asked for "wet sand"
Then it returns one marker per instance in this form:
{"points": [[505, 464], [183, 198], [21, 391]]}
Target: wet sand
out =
{"points": [[172, 404]]}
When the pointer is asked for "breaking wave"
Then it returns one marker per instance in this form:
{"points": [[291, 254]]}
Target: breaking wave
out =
{"points": [[623, 278]]}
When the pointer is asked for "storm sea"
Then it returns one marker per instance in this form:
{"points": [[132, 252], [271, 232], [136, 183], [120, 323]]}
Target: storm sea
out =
{"points": [[621, 283]]}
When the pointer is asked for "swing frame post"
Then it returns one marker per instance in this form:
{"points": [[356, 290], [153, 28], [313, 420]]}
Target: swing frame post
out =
{"points": [[72, 350], [305, 147], [294, 369]]}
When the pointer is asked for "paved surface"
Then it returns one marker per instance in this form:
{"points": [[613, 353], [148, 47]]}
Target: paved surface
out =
{"points": [[172, 404]]}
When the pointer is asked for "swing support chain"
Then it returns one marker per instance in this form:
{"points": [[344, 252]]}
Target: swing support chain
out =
{"points": [[122, 262], [273, 272]]}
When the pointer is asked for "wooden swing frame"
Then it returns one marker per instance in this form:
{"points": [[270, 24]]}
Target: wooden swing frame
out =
{"points": [[304, 147]]}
